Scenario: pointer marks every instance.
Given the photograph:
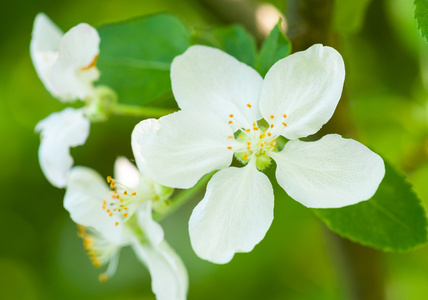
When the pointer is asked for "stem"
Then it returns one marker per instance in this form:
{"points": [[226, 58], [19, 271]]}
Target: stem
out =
{"points": [[140, 111], [185, 196]]}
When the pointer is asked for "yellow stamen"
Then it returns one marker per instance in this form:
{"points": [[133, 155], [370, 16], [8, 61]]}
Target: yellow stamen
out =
{"points": [[109, 179], [231, 116], [245, 156], [284, 115], [229, 147], [230, 122], [272, 116], [102, 278], [284, 124], [92, 64], [249, 105]]}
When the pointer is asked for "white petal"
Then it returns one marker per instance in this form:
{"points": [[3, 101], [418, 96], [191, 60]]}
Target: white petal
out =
{"points": [[234, 215], [331, 172], [151, 229], [44, 46], [73, 73], [60, 131], [86, 191], [178, 149], [306, 86], [169, 276], [126, 172], [207, 78]]}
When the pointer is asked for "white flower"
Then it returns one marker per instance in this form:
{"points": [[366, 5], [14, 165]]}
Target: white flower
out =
{"points": [[120, 215], [65, 64], [60, 131], [222, 101]]}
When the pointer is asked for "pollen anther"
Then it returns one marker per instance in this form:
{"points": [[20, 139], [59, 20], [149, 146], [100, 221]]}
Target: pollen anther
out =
{"points": [[230, 122], [272, 116], [249, 105], [229, 147]]}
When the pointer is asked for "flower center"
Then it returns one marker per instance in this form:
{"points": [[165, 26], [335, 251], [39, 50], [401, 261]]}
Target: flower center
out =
{"points": [[99, 250], [257, 141], [122, 203]]}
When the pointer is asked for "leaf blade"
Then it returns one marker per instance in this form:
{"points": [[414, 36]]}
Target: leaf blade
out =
{"points": [[136, 55]]}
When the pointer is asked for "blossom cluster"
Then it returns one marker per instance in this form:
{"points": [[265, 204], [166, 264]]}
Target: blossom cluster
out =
{"points": [[231, 120], [113, 214]]}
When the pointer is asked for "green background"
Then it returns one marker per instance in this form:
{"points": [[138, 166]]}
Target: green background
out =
{"points": [[41, 256]]}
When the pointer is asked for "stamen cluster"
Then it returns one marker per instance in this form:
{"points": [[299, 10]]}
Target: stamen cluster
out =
{"points": [[119, 202]]}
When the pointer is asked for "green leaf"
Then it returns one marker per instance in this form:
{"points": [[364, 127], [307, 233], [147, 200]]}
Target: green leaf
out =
{"points": [[234, 40], [392, 220], [275, 47], [421, 16], [136, 55], [349, 15]]}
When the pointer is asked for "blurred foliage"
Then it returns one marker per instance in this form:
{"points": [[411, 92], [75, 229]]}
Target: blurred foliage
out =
{"points": [[349, 15], [40, 254]]}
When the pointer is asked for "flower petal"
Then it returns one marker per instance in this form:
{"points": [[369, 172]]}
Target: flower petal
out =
{"points": [[151, 229], [306, 86], [207, 78], [86, 191], [60, 131], [126, 172], [234, 215], [331, 172], [75, 71], [44, 46], [169, 276], [178, 149]]}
